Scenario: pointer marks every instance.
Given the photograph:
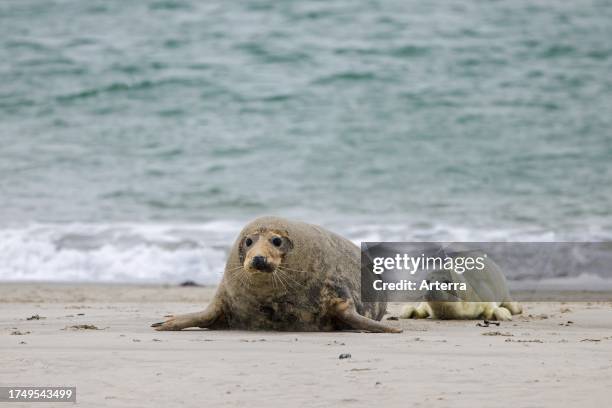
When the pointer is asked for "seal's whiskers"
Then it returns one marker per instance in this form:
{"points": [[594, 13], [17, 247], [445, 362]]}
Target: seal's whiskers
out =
{"points": [[287, 275], [241, 277], [281, 280]]}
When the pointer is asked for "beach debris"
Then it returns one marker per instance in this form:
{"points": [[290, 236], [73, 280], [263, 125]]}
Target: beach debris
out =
{"points": [[592, 340], [80, 314], [189, 283], [487, 323], [565, 310], [392, 318], [524, 341], [156, 340], [541, 316], [497, 333], [19, 333], [344, 356], [82, 327], [22, 342], [35, 317], [568, 323]]}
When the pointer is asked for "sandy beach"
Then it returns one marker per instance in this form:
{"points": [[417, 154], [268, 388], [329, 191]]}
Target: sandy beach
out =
{"points": [[286, 149], [556, 354]]}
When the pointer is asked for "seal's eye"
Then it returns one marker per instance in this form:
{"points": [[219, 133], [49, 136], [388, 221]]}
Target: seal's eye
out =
{"points": [[276, 241], [248, 242]]}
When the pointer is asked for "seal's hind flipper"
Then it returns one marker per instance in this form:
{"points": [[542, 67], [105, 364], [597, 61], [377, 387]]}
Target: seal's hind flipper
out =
{"points": [[420, 312], [514, 307], [207, 318], [347, 314]]}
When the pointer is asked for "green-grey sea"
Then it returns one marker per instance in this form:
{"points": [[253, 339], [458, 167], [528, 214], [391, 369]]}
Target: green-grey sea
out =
{"points": [[136, 137]]}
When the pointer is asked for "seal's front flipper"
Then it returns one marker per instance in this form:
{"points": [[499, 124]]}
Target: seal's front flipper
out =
{"points": [[347, 314], [211, 315]]}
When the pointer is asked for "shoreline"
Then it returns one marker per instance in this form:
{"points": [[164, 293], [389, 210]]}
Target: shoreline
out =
{"points": [[42, 291]]}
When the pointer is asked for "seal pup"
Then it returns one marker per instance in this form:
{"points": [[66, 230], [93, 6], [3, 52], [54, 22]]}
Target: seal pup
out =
{"points": [[488, 285], [462, 310], [288, 276]]}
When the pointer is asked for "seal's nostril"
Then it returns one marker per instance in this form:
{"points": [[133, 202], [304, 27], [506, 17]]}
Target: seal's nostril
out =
{"points": [[259, 262]]}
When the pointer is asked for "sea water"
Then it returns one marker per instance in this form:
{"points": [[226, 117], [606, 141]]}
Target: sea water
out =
{"points": [[136, 138]]}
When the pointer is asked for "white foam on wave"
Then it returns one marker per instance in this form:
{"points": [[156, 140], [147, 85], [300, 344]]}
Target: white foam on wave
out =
{"points": [[116, 253], [445, 233], [172, 253]]}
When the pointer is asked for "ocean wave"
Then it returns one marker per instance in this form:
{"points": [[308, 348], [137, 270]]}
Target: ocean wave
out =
{"points": [[144, 85], [116, 253], [171, 253], [582, 282]]}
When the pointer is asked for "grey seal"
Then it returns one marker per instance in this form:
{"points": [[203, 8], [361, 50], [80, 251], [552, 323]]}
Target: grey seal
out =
{"points": [[288, 276], [486, 296]]}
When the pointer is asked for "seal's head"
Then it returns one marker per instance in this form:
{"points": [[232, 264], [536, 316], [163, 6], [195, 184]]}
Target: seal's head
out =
{"points": [[263, 250]]}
